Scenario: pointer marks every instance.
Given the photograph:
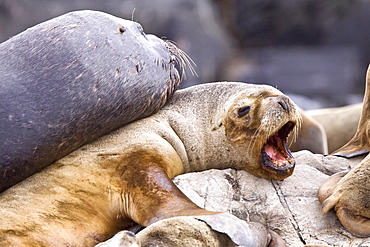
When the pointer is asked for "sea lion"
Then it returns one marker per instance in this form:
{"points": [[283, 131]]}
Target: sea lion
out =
{"points": [[311, 136], [349, 193], [72, 79], [343, 120], [125, 176]]}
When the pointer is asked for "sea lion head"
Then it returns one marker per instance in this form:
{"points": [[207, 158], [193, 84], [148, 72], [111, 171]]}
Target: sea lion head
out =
{"points": [[147, 50], [260, 120]]}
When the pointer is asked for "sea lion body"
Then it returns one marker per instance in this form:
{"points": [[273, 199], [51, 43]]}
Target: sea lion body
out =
{"points": [[348, 193], [343, 120], [72, 79], [320, 128], [125, 177], [311, 136]]}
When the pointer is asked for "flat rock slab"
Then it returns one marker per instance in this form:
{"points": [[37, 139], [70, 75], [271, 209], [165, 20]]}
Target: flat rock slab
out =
{"points": [[289, 207]]}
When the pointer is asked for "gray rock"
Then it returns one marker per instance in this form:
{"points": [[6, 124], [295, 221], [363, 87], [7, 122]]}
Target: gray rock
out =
{"points": [[289, 207]]}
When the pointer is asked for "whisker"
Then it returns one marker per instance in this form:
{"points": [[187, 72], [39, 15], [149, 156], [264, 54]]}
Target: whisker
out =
{"points": [[183, 59], [296, 130], [132, 14], [252, 144]]}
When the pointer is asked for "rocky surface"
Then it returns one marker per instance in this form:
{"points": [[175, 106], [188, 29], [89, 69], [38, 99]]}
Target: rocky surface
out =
{"points": [[289, 207]]}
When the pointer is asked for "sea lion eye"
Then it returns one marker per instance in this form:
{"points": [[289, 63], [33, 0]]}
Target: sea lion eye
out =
{"points": [[243, 111]]}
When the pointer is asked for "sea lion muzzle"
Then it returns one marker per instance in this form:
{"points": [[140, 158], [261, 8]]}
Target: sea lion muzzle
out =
{"points": [[275, 153]]}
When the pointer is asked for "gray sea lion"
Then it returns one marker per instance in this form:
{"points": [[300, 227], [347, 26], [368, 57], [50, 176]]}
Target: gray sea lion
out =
{"points": [[72, 79], [125, 177], [349, 193]]}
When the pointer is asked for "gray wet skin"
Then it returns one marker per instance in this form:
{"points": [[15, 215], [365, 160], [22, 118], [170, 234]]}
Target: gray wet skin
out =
{"points": [[72, 79]]}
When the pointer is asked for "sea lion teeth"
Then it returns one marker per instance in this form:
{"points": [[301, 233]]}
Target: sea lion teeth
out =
{"points": [[276, 156]]}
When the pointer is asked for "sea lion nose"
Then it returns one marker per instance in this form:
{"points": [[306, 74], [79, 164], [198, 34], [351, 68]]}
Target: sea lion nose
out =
{"points": [[283, 101]]}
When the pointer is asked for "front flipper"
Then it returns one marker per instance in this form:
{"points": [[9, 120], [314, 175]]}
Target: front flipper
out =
{"points": [[150, 197], [360, 143], [241, 232], [349, 195], [351, 150]]}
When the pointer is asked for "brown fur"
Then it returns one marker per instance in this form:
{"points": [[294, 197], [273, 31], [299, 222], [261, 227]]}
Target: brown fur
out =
{"points": [[349, 193], [340, 123], [311, 136]]}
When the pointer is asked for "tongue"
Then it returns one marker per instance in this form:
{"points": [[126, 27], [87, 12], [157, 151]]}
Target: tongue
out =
{"points": [[275, 156]]}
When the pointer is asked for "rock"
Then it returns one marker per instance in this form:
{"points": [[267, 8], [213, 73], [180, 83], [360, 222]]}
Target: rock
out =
{"points": [[289, 207]]}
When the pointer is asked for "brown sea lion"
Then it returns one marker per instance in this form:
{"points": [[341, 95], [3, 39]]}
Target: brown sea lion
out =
{"points": [[311, 136], [125, 177], [343, 120], [69, 80], [349, 193]]}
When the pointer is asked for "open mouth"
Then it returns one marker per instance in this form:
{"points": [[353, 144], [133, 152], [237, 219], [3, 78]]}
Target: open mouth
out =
{"points": [[276, 156]]}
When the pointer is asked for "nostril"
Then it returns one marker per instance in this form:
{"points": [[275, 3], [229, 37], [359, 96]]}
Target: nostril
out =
{"points": [[283, 105], [282, 101]]}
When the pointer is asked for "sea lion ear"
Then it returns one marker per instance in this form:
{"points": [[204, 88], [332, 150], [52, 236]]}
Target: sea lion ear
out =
{"points": [[219, 123]]}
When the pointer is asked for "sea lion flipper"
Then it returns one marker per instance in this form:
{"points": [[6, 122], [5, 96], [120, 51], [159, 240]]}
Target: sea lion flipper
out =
{"points": [[351, 154], [154, 194], [359, 144], [348, 193], [356, 224], [241, 232], [352, 149], [150, 208], [329, 203], [327, 189]]}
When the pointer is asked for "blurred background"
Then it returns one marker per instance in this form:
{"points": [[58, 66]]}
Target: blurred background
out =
{"points": [[316, 51]]}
